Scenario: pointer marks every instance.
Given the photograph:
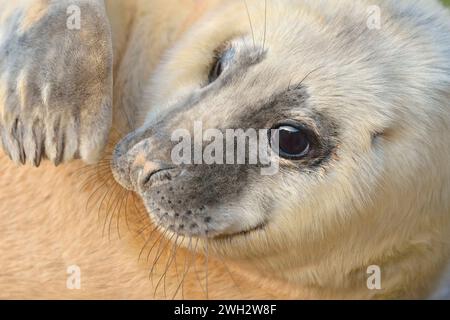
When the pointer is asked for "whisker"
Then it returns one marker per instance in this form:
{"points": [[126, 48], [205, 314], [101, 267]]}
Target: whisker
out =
{"points": [[230, 274], [307, 76], [111, 194], [82, 171], [114, 204], [251, 24], [102, 160], [143, 211], [93, 193], [160, 240], [144, 221], [124, 201], [119, 212], [118, 132], [185, 265], [158, 256], [97, 173], [93, 178], [265, 26], [106, 160], [140, 231], [153, 267], [116, 210], [175, 258], [161, 236], [206, 270], [168, 264], [147, 241], [187, 271], [126, 211], [108, 190], [197, 276], [289, 85]]}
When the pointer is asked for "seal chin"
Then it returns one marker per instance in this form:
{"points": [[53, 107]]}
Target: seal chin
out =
{"points": [[202, 222]]}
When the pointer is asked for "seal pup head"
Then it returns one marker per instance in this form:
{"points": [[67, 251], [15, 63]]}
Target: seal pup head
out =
{"points": [[360, 114]]}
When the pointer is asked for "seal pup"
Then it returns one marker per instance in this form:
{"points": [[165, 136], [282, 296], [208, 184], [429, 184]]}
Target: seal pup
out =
{"points": [[362, 116]]}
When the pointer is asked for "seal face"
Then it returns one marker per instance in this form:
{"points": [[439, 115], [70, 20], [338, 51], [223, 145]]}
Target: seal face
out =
{"points": [[339, 100], [199, 199], [213, 199]]}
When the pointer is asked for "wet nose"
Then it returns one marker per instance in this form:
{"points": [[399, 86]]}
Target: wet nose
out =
{"points": [[136, 170], [128, 161]]}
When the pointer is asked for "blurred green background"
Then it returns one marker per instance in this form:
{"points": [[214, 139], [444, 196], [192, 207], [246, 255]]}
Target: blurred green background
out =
{"points": [[447, 2]]}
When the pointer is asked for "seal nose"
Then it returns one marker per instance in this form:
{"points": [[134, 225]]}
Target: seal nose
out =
{"points": [[135, 171], [128, 162]]}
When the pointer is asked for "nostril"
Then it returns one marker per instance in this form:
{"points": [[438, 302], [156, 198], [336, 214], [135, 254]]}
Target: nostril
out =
{"points": [[133, 169], [128, 160], [149, 178], [145, 180]]}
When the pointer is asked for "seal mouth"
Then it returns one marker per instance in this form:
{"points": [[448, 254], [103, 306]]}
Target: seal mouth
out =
{"points": [[259, 227]]}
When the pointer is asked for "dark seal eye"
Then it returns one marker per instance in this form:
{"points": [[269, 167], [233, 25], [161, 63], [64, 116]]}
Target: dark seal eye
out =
{"points": [[293, 142]]}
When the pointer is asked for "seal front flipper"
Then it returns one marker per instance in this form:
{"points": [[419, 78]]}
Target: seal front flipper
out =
{"points": [[55, 80]]}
